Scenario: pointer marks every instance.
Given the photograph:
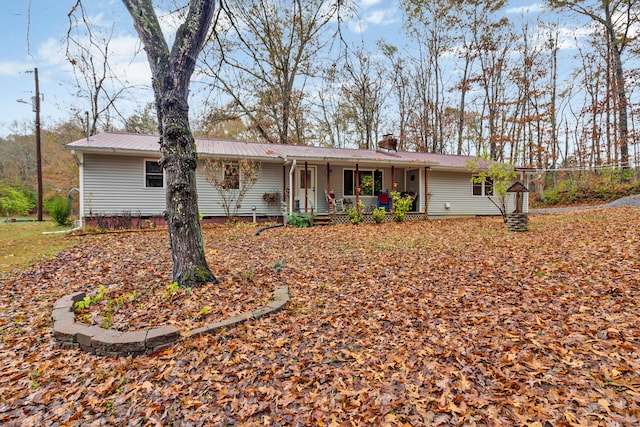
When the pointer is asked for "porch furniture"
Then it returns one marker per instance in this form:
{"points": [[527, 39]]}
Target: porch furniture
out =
{"points": [[384, 200], [333, 202]]}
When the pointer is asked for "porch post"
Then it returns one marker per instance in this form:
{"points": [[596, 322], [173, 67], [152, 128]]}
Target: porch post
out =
{"points": [[426, 189], [328, 187], [284, 188], [394, 184], [306, 187], [357, 187]]}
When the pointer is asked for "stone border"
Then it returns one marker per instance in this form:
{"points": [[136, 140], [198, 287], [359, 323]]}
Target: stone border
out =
{"points": [[112, 343]]}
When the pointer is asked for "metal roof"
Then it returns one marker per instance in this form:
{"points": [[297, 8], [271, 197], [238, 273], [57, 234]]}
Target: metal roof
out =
{"points": [[131, 143]]}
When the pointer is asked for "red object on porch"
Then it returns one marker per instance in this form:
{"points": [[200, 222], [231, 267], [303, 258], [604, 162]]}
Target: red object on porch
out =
{"points": [[384, 200]]}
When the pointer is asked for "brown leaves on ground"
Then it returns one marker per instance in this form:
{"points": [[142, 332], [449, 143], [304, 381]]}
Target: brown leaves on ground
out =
{"points": [[454, 322]]}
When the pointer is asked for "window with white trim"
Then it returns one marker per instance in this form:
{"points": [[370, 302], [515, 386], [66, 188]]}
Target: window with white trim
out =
{"points": [[370, 182], [153, 174], [482, 188]]}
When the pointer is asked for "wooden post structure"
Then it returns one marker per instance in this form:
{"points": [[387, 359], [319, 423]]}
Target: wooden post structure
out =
{"points": [[306, 187], [394, 184], [36, 108], [426, 189], [329, 188], [357, 187]]}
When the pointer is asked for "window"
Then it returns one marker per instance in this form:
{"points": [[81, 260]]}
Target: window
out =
{"points": [[482, 188], [153, 175], [305, 179], [370, 182], [231, 176]]}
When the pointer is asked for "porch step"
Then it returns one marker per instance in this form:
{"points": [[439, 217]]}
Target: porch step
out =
{"points": [[322, 219]]}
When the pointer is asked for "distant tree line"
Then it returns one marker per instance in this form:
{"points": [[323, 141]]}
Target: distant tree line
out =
{"points": [[469, 80]]}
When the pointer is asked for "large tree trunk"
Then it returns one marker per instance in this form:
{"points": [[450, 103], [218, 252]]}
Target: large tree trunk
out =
{"points": [[171, 71], [179, 160]]}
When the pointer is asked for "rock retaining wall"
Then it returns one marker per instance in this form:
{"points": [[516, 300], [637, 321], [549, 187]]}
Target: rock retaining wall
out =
{"points": [[112, 343]]}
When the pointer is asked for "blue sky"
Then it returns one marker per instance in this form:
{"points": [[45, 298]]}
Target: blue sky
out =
{"points": [[34, 36]]}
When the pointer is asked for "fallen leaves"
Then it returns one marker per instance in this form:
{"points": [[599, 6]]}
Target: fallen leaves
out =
{"points": [[451, 322]]}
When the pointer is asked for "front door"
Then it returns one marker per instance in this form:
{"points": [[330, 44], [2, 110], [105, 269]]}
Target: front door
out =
{"points": [[306, 186], [412, 179]]}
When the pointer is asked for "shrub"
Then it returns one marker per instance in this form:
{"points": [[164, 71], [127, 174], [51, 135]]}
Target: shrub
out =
{"points": [[355, 213], [14, 201], [379, 214], [299, 220], [60, 209], [401, 205]]}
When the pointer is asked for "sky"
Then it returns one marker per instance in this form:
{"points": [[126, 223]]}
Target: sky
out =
{"points": [[34, 33]]}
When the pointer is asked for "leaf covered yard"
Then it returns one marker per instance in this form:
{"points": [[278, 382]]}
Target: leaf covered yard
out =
{"points": [[454, 322]]}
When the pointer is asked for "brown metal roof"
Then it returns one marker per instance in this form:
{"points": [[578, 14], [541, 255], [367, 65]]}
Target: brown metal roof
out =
{"points": [[130, 143]]}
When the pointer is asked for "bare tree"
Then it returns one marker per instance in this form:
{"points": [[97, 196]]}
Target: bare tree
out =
{"points": [[431, 24], [618, 18], [331, 123], [88, 50], [275, 44], [364, 94], [231, 180], [492, 42], [400, 83]]}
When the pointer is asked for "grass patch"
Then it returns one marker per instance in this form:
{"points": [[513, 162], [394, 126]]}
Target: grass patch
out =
{"points": [[23, 244]]}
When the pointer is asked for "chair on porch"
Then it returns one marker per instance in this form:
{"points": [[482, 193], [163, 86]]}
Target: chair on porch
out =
{"points": [[333, 203], [384, 200]]}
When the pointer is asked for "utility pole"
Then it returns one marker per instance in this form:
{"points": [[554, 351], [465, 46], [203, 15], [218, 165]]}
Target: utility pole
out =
{"points": [[36, 108]]}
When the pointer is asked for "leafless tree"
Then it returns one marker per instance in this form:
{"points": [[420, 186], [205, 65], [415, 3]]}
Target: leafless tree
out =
{"points": [[618, 18], [269, 50], [88, 50]]}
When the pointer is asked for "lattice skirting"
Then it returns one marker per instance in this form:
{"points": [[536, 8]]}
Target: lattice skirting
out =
{"points": [[344, 219]]}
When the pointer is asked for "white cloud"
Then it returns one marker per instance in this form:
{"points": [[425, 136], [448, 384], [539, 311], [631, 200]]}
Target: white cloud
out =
{"points": [[368, 3], [13, 68], [524, 9], [378, 17]]}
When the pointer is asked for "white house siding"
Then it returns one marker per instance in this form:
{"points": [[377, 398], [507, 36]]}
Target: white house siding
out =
{"points": [[455, 189], [270, 181], [114, 185]]}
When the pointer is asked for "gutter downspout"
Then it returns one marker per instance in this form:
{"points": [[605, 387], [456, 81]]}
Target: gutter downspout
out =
{"points": [[79, 158], [291, 172]]}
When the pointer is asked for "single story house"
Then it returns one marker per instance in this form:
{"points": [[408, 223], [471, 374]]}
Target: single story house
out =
{"points": [[120, 175]]}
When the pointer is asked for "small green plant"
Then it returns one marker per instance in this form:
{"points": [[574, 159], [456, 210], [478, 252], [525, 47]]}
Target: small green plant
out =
{"points": [[355, 213], [83, 304], [279, 265], [401, 205], [379, 214], [107, 320], [87, 301], [172, 290], [299, 220], [248, 274], [60, 209]]}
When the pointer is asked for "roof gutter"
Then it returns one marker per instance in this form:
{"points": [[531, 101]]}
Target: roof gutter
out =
{"points": [[366, 161]]}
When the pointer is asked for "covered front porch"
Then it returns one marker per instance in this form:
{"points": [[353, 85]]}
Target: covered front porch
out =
{"points": [[332, 188]]}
